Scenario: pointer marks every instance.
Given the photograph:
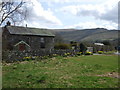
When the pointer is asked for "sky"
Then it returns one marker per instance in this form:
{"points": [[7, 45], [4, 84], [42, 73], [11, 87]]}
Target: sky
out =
{"points": [[79, 14]]}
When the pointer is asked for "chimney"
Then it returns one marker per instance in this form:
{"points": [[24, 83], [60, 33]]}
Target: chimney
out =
{"points": [[26, 25], [8, 23]]}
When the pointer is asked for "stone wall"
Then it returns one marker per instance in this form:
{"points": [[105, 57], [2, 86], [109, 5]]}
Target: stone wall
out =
{"points": [[11, 56]]}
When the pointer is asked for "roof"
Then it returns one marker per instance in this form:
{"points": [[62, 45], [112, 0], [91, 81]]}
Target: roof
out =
{"points": [[29, 31], [100, 44]]}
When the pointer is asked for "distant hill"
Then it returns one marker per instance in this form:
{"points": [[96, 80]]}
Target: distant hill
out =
{"points": [[87, 34]]}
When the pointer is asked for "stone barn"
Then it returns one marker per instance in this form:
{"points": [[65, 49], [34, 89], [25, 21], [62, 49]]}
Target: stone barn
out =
{"points": [[26, 39]]}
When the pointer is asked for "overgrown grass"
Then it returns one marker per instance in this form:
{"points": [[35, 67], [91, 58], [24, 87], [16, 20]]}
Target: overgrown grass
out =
{"points": [[62, 72]]}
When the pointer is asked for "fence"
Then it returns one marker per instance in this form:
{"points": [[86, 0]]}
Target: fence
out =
{"points": [[11, 56]]}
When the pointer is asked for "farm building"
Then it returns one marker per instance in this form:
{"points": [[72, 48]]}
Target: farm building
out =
{"points": [[26, 39], [90, 49]]}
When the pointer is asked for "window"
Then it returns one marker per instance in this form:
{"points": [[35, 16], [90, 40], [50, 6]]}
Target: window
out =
{"points": [[42, 40], [53, 40], [42, 43], [28, 40]]}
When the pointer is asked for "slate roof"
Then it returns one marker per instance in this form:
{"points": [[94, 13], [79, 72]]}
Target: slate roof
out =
{"points": [[28, 31]]}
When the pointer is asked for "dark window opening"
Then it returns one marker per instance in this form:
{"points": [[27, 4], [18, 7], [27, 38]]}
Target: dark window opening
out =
{"points": [[42, 45], [42, 42]]}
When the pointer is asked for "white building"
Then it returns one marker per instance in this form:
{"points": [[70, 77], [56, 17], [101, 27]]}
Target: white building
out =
{"points": [[99, 44]]}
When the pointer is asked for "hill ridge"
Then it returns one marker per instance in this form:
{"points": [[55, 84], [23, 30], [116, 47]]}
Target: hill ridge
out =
{"points": [[88, 34]]}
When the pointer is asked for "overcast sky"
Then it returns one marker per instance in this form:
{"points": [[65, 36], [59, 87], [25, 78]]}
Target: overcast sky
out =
{"points": [[80, 14]]}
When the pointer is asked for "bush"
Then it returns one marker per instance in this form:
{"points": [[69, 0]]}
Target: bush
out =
{"points": [[66, 54], [109, 52], [27, 58], [100, 52], [62, 46], [79, 53], [88, 53], [54, 55]]}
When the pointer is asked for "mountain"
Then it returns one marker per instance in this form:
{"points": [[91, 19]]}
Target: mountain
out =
{"points": [[87, 34]]}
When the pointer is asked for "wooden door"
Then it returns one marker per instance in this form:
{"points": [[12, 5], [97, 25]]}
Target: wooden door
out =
{"points": [[21, 47]]}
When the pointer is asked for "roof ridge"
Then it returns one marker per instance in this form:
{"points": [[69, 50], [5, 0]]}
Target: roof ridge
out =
{"points": [[29, 27], [29, 31]]}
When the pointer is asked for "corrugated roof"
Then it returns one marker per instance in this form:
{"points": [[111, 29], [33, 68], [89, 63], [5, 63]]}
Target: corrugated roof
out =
{"points": [[29, 31]]}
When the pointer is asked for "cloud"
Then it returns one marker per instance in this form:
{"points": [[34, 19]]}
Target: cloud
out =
{"points": [[70, 1], [105, 11], [111, 15], [37, 15]]}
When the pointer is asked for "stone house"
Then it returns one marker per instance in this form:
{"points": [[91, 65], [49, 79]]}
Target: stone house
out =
{"points": [[26, 39]]}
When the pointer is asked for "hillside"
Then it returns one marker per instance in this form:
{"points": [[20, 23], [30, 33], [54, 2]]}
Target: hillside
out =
{"points": [[87, 34]]}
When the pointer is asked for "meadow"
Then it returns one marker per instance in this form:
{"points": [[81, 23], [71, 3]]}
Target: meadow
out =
{"points": [[93, 71]]}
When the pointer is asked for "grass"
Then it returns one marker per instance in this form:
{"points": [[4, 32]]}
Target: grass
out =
{"points": [[62, 72]]}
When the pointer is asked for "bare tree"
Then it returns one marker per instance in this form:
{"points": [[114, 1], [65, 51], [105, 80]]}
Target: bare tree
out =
{"points": [[12, 10]]}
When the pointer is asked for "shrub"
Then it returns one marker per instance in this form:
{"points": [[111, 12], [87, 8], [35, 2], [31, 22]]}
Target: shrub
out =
{"points": [[62, 46], [44, 57], [27, 58], [66, 54], [34, 57], [79, 53], [55, 55], [31, 58], [100, 52], [88, 53], [109, 52]]}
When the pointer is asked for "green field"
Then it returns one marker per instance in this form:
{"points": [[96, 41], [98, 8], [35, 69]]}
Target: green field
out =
{"points": [[97, 71]]}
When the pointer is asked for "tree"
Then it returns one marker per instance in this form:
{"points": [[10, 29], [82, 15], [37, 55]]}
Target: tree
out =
{"points": [[62, 46], [74, 44], [106, 42], [83, 48], [12, 10], [108, 45]]}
